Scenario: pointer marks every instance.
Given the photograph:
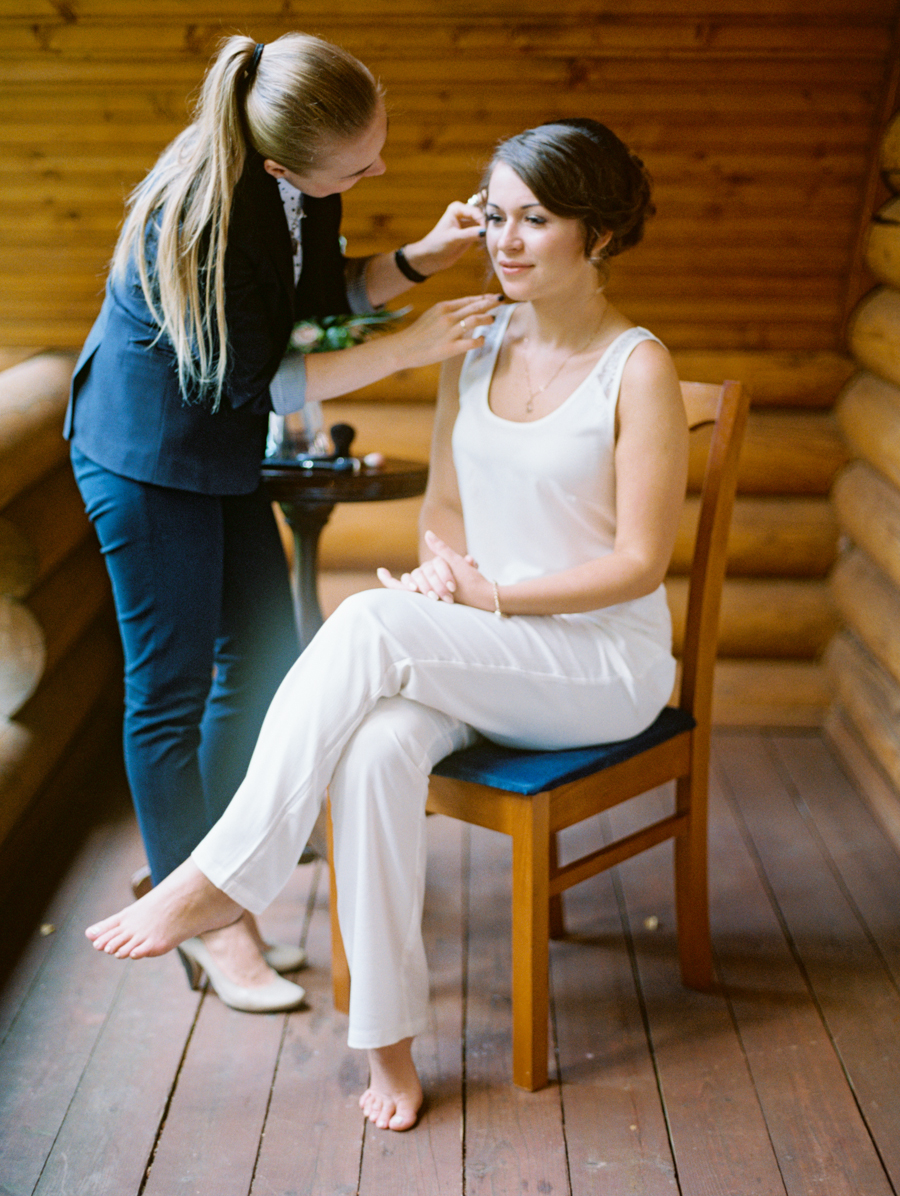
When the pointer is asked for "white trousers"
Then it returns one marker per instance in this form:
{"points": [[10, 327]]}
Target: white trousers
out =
{"points": [[391, 684]]}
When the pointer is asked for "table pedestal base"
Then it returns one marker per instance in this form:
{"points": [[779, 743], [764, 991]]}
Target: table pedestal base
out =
{"points": [[306, 524]]}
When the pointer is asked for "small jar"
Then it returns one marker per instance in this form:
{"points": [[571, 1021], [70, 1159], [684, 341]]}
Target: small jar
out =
{"points": [[300, 434]]}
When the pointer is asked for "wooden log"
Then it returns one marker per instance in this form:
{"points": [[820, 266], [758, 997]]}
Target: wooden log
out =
{"points": [[447, 38], [786, 536], [785, 452], [779, 328], [23, 655], [33, 399], [868, 414], [883, 243], [118, 107], [890, 154], [871, 779], [867, 506], [874, 333], [18, 560], [51, 516], [364, 536], [400, 428], [870, 605], [70, 599], [770, 693], [38, 848], [871, 698], [774, 619], [770, 537], [34, 744], [773, 379]]}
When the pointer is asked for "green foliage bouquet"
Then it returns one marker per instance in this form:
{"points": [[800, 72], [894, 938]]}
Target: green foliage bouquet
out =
{"points": [[339, 332], [301, 434]]}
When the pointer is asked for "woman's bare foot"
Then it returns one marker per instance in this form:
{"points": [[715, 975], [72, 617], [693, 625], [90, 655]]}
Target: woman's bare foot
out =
{"points": [[181, 906], [394, 1096]]}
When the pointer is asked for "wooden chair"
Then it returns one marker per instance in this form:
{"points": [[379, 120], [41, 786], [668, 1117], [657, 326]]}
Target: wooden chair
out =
{"points": [[533, 795]]}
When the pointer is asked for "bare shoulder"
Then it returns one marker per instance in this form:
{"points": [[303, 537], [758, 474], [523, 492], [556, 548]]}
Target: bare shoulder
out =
{"points": [[650, 365], [650, 388]]}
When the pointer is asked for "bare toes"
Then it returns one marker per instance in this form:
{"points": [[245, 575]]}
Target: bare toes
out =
{"points": [[386, 1113], [372, 1104], [405, 1116], [103, 940], [100, 931]]}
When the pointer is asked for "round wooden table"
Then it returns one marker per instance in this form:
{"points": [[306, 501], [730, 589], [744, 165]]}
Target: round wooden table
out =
{"points": [[307, 498]]}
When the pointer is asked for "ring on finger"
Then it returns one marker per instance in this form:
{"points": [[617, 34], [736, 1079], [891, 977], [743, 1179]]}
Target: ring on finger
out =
{"points": [[462, 325]]}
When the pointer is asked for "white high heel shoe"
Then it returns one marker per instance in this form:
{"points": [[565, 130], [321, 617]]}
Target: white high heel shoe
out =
{"points": [[275, 997], [281, 957]]}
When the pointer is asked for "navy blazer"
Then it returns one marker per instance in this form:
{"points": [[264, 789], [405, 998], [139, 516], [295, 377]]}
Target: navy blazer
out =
{"points": [[126, 411]]}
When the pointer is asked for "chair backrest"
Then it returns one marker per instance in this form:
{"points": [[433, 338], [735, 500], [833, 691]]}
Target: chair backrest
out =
{"points": [[725, 407]]}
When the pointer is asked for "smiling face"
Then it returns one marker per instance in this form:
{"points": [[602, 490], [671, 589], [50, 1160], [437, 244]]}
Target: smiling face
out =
{"points": [[344, 164], [535, 254]]}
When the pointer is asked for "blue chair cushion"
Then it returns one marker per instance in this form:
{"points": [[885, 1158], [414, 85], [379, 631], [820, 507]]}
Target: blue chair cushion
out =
{"points": [[528, 772]]}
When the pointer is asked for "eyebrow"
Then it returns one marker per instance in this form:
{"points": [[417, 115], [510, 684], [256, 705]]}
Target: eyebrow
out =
{"points": [[522, 207], [357, 173]]}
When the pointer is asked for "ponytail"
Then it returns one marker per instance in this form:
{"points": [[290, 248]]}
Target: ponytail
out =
{"points": [[291, 101]]}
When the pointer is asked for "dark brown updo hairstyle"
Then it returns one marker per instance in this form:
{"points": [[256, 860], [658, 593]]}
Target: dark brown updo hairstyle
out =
{"points": [[579, 169]]}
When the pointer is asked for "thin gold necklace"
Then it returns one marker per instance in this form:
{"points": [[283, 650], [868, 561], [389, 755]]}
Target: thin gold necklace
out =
{"points": [[529, 406]]}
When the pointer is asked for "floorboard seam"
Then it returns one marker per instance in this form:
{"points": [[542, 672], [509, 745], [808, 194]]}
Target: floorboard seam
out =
{"points": [[642, 1004], [157, 1137], [559, 1078]]}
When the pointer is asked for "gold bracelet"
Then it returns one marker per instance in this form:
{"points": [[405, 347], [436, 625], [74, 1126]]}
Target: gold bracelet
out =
{"points": [[497, 611]]}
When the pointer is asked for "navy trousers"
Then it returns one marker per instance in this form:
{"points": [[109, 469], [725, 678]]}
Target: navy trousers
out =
{"points": [[204, 608]]}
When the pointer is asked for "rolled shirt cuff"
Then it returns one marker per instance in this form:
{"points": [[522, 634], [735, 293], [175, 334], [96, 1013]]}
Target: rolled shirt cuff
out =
{"points": [[287, 389], [355, 280]]}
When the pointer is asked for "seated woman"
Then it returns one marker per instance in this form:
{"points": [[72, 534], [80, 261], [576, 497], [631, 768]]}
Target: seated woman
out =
{"points": [[537, 617]]}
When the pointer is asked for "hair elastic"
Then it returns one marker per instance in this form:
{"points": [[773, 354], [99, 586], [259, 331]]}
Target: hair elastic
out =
{"points": [[405, 268], [254, 61]]}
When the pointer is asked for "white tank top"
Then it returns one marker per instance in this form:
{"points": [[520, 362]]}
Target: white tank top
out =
{"points": [[539, 497]]}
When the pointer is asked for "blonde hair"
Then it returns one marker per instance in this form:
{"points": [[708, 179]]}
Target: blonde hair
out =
{"points": [[293, 101]]}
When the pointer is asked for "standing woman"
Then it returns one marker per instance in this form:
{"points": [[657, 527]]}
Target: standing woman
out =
{"points": [[231, 238]]}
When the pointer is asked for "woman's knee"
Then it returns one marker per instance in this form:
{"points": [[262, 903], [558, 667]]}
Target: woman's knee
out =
{"points": [[396, 747], [378, 606]]}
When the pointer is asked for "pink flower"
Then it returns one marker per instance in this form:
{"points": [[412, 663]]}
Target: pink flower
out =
{"points": [[305, 335]]}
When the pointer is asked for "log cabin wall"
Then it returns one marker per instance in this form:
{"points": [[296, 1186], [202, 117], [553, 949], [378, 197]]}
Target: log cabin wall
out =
{"points": [[60, 662], [863, 660], [759, 120]]}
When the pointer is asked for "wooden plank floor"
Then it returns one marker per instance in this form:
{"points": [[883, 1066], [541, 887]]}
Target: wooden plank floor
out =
{"points": [[115, 1079]]}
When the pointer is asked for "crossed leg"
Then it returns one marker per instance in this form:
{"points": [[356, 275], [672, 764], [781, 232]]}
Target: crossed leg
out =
{"points": [[182, 905]]}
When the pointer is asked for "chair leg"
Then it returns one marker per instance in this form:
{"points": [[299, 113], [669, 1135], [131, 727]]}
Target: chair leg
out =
{"points": [[340, 970], [692, 885], [530, 941], [557, 916]]}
